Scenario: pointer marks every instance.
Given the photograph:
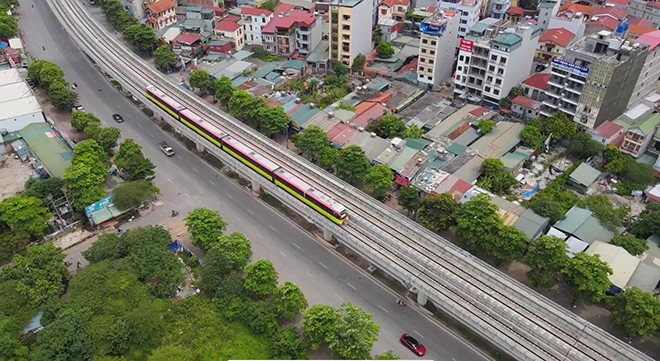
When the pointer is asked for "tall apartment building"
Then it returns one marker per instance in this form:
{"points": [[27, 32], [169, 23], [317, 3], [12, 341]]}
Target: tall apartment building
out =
{"points": [[253, 20], [649, 10], [492, 60], [498, 8], [350, 29], [650, 72], [294, 32], [469, 11], [437, 46], [547, 9], [595, 79]]}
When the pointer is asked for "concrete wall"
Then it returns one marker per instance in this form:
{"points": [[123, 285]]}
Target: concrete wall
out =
{"points": [[18, 123]]}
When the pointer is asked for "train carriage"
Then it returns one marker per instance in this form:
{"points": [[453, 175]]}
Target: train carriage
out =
{"points": [[249, 157]]}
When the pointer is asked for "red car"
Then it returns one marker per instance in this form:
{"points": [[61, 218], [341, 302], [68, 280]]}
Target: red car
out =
{"points": [[413, 345]]}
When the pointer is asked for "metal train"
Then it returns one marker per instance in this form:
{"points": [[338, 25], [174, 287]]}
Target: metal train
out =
{"points": [[273, 172]]}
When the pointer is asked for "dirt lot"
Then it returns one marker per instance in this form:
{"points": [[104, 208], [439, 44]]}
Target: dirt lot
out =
{"points": [[13, 176]]}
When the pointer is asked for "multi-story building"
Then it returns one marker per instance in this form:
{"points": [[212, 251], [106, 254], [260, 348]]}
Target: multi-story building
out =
{"points": [[650, 72], [296, 32], [350, 29], [547, 9], [649, 10], [253, 21], [498, 8], [595, 79], [572, 17], [492, 60], [640, 135], [232, 31], [395, 9], [201, 19], [514, 14], [469, 11], [437, 47], [161, 14], [553, 44]]}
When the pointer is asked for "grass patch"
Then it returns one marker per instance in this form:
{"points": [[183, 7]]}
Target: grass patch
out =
{"points": [[291, 214], [190, 145], [213, 160], [231, 174], [244, 182], [271, 200], [116, 84], [148, 112]]}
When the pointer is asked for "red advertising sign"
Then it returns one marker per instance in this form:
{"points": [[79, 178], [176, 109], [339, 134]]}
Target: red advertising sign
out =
{"points": [[466, 45]]}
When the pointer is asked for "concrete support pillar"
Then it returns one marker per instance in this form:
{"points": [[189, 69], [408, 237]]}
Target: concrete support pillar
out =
{"points": [[200, 147], [327, 234], [422, 298], [255, 186]]}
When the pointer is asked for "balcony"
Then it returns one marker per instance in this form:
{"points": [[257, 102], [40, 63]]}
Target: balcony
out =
{"points": [[479, 63]]}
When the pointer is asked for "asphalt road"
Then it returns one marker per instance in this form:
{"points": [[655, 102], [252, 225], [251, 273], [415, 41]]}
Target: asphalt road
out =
{"points": [[186, 182]]}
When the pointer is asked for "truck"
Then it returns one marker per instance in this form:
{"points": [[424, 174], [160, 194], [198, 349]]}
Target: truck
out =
{"points": [[165, 148]]}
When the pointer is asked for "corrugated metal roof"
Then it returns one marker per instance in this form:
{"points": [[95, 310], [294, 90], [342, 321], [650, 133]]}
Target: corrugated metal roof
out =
{"points": [[623, 264], [584, 175], [573, 219], [44, 142]]}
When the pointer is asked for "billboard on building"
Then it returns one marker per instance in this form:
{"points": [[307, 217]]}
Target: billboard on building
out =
{"points": [[466, 45], [571, 68]]}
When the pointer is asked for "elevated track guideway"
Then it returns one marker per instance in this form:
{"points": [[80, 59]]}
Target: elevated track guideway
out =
{"points": [[517, 319]]}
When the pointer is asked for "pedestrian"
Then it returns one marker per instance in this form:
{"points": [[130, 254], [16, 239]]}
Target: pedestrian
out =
{"points": [[78, 266]]}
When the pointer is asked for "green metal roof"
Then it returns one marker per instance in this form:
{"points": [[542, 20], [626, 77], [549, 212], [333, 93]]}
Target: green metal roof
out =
{"points": [[508, 39], [546, 5], [304, 114], [294, 64], [574, 219], [400, 162], [479, 27], [584, 175], [456, 148], [44, 142], [648, 125], [418, 144]]}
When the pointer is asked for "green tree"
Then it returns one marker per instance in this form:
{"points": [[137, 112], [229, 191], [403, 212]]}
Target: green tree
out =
{"points": [[560, 126], [532, 134], [353, 164], [588, 275], [384, 50], [261, 279], [228, 254], [637, 176], [172, 353], [636, 312], [604, 210], [494, 177], [408, 198], [86, 175], [42, 188], [546, 257], [50, 74], [508, 245], [68, 337], [107, 247], [8, 26], [224, 90], [388, 126], [437, 212], [200, 79], [25, 214], [312, 142], [40, 273], [583, 147], [270, 5], [61, 96], [329, 158], [80, 120], [477, 222], [142, 37], [413, 132], [247, 108], [287, 345], [358, 63], [648, 222], [486, 126], [379, 180], [34, 70], [319, 323], [387, 355], [289, 301], [106, 137], [132, 161], [273, 120], [260, 318], [164, 58], [355, 334], [611, 153], [205, 227], [630, 243], [133, 194]]}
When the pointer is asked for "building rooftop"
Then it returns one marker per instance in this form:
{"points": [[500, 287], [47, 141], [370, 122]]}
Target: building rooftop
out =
{"points": [[515, 10], [44, 142], [161, 6], [504, 137], [623, 264], [646, 275], [343, 3], [507, 39], [584, 175], [320, 52], [652, 39], [538, 81], [648, 124], [291, 18], [16, 99], [531, 223], [560, 36], [187, 38], [546, 5], [461, 115], [581, 223], [227, 25], [525, 102], [246, 10]]}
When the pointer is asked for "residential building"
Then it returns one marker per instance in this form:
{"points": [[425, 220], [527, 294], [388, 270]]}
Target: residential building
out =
{"points": [[493, 60], [20, 107], [469, 13], [318, 58], [498, 8], [296, 32], [253, 21], [553, 44], [389, 28], [572, 17], [606, 18], [161, 14], [619, 4], [547, 10], [514, 14], [232, 31], [583, 177], [437, 46], [595, 79], [187, 45], [650, 72], [393, 9], [350, 29], [536, 85], [649, 10], [200, 19], [639, 136], [525, 108]]}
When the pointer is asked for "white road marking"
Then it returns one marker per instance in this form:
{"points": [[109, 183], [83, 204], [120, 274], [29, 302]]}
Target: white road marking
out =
{"points": [[283, 254], [139, 125], [179, 157], [151, 135], [187, 195], [383, 308], [210, 181], [250, 211], [322, 265], [419, 334], [295, 245], [309, 274], [338, 296], [271, 227], [351, 286], [229, 195], [169, 180], [195, 169]]}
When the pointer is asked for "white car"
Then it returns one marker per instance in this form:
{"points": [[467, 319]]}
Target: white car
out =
{"points": [[78, 108]]}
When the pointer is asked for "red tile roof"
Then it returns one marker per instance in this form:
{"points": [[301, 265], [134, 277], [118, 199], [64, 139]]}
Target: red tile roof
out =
{"points": [[459, 189], [640, 29], [538, 81], [618, 2], [640, 22], [524, 102], [480, 112], [286, 21], [161, 6], [228, 25], [373, 112], [561, 37], [232, 17], [608, 129], [216, 9], [515, 10], [336, 130], [615, 13], [381, 98], [342, 134], [255, 11], [295, 109], [653, 4], [652, 38], [283, 8], [605, 21], [569, 10], [391, 3], [187, 38]]}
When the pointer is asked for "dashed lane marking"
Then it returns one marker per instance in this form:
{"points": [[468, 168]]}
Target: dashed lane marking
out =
{"points": [[309, 274], [187, 195], [338, 296], [250, 211], [229, 195], [383, 308], [322, 265], [169, 180], [418, 334], [295, 245], [351, 286], [210, 181], [271, 227], [195, 169], [179, 157], [283, 254]]}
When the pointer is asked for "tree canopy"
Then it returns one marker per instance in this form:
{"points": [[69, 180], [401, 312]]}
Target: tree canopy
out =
{"points": [[133, 194], [261, 279], [547, 257], [200, 79], [438, 212], [205, 227], [224, 90], [588, 275], [388, 126], [25, 214], [40, 272], [379, 180], [312, 142], [560, 126], [164, 58], [630, 243], [131, 160], [384, 50], [142, 37], [495, 178], [289, 301], [86, 175], [353, 164], [80, 120], [583, 147], [636, 312], [408, 198], [533, 134], [486, 126], [648, 222]]}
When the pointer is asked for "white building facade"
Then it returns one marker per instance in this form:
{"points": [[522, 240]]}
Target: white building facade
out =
{"points": [[437, 47], [469, 13], [351, 24], [650, 73], [253, 20]]}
